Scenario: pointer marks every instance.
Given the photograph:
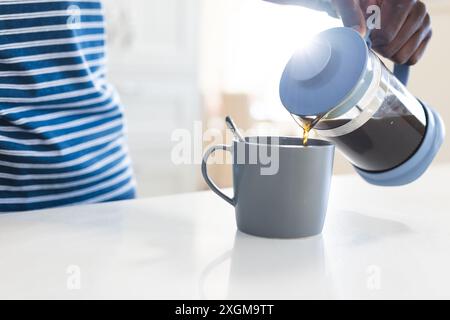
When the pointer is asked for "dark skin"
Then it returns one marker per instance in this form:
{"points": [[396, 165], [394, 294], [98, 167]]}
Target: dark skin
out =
{"points": [[405, 26]]}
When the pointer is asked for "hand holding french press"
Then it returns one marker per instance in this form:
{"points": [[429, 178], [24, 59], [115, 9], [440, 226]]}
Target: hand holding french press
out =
{"points": [[404, 31]]}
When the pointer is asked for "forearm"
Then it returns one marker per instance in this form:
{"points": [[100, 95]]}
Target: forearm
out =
{"points": [[321, 5]]}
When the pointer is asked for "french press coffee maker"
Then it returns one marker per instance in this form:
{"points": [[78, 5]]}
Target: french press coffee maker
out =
{"points": [[389, 136]]}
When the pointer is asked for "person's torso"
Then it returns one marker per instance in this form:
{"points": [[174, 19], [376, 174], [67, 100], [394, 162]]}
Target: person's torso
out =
{"points": [[61, 125]]}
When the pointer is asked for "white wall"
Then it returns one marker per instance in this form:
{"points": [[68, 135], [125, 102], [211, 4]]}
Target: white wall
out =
{"points": [[153, 55], [430, 79]]}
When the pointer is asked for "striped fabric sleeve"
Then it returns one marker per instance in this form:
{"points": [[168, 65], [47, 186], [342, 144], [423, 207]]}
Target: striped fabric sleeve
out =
{"points": [[62, 136]]}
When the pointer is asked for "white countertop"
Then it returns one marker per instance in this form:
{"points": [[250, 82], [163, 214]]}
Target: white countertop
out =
{"points": [[377, 243]]}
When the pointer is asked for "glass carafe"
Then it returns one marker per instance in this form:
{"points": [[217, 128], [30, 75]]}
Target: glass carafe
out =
{"points": [[363, 108]]}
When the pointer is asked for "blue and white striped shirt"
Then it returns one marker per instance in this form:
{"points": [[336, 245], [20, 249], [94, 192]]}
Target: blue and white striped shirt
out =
{"points": [[61, 123]]}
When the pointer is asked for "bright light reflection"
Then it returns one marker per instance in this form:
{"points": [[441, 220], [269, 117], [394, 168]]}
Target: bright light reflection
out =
{"points": [[261, 39]]}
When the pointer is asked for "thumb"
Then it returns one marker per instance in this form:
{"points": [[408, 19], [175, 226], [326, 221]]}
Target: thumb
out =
{"points": [[351, 14]]}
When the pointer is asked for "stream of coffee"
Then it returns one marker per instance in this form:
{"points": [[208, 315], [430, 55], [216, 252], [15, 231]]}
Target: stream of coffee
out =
{"points": [[307, 124], [306, 130]]}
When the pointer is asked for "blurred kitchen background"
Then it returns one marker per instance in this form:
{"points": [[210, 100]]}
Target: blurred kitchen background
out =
{"points": [[178, 62]]}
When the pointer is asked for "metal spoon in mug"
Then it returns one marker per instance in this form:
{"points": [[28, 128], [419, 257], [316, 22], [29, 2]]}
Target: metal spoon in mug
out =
{"points": [[230, 124]]}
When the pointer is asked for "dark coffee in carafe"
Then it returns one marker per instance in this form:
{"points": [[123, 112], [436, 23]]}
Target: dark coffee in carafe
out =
{"points": [[380, 144]]}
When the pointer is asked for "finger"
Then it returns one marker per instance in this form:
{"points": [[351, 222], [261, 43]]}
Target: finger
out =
{"points": [[393, 17], [420, 51], [413, 44], [413, 23], [351, 14]]}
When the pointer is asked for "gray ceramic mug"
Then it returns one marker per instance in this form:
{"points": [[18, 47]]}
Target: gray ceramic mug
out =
{"points": [[281, 188]]}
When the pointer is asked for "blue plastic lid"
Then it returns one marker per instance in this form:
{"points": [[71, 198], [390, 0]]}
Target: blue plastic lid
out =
{"points": [[322, 74]]}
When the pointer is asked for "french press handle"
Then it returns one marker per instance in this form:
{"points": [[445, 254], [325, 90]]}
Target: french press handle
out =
{"points": [[401, 71]]}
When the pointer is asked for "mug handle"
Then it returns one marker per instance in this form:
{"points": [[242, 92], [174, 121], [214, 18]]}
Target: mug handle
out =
{"points": [[208, 181]]}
